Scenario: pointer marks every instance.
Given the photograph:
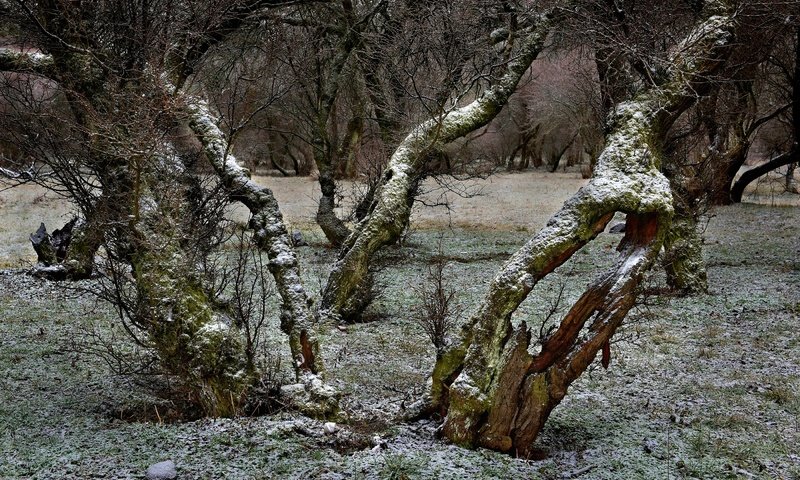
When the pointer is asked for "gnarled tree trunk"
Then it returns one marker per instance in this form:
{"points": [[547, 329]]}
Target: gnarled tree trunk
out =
{"points": [[270, 233], [297, 319], [195, 341], [495, 388], [66, 254], [348, 288]]}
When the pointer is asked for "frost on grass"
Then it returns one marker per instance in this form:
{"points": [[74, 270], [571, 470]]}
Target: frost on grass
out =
{"points": [[708, 387]]}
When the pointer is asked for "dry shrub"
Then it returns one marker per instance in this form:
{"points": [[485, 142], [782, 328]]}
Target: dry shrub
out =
{"points": [[438, 309]]}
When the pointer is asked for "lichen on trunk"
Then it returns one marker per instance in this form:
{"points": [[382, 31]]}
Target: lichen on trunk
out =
{"points": [[683, 256], [494, 391], [348, 288], [271, 235]]}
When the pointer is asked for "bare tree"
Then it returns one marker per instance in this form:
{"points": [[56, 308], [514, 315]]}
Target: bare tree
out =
{"points": [[494, 392], [141, 191], [348, 288]]}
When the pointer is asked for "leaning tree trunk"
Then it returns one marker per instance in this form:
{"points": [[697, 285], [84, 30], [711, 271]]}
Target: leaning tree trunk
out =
{"points": [[297, 318], [748, 177], [496, 389], [197, 343], [348, 288]]}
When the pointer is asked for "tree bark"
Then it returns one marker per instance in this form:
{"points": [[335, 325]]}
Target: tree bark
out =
{"points": [[195, 341], [297, 319], [756, 172], [494, 391], [67, 254], [683, 258], [270, 232], [348, 288]]}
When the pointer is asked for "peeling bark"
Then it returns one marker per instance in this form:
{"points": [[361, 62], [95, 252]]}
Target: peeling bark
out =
{"points": [[496, 389], [348, 288]]}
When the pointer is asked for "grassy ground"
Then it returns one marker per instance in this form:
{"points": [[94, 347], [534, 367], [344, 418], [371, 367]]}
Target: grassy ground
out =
{"points": [[702, 387]]}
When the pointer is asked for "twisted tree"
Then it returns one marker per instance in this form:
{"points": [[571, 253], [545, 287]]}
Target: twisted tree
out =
{"points": [[143, 194], [496, 385], [349, 285]]}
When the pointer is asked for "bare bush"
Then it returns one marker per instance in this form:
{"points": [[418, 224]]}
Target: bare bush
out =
{"points": [[438, 309]]}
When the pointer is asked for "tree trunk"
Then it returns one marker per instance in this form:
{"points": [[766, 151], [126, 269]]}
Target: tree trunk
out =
{"points": [[756, 172], [271, 235], [494, 391], [198, 344], [139, 203], [347, 291], [791, 182], [683, 258], [311, 395], [67, 254]]}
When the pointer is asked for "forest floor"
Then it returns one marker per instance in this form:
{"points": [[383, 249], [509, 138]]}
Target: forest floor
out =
{"points": [[699, 387]]}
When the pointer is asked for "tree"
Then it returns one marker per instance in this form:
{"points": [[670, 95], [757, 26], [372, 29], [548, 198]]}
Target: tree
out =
{"points": [[790, 76], [493, 391], [348, 288], [142, 193]]}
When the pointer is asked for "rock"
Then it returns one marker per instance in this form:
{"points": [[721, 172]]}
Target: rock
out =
{"points": [[618, 228], [162, 471], [650, 446], [312, 397], [330, 428], [298, 240], [379, 443]]}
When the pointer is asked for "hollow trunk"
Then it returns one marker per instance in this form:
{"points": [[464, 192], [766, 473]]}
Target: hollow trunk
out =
{"points": [[68, 253], [348, 289], [495, 388]]}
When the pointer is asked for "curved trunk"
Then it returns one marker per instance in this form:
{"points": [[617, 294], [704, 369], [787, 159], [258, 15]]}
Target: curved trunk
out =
{"points": [[332, 226], [266, 221], [494, 391], [756, 172], [348, 288]]}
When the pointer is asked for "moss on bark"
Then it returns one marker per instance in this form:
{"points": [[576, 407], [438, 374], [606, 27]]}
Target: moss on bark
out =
{"points": [[347, 289], [503, 394]]}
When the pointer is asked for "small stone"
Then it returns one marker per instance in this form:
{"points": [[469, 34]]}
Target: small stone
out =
{"points": [[298, 240], [650, 446], [330, 428], [162, 471], [380, 444], [618, 228]]}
